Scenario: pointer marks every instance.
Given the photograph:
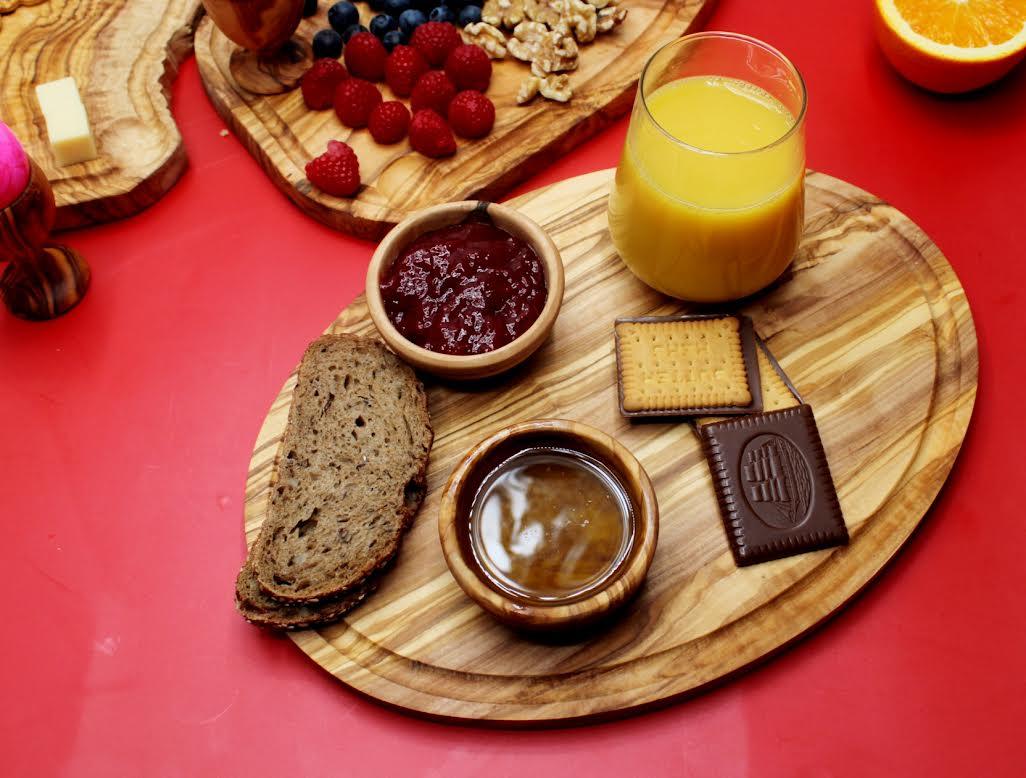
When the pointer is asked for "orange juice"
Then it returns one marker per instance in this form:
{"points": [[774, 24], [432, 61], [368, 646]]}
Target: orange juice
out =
{"points": [[708, 202]]}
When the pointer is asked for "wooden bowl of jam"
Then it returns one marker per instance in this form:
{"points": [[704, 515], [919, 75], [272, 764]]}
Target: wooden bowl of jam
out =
{"points": [[465, 290], [549, 524]]}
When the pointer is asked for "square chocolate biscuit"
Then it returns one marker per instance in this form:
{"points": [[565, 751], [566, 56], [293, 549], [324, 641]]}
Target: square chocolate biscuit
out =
{"points": [[774, 486]]}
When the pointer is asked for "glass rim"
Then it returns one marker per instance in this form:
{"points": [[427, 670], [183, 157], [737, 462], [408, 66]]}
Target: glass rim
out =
{"points": [[737, 36]]}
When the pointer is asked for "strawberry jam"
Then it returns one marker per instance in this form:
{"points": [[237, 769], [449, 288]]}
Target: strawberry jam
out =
{"points": [[465, 289]]}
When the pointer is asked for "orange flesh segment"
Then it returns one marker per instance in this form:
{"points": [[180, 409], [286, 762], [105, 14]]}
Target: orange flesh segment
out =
{"points": [[965, 23]]}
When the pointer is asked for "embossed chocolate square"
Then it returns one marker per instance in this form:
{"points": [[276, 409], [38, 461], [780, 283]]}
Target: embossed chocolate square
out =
{"points": [[773, 483]]}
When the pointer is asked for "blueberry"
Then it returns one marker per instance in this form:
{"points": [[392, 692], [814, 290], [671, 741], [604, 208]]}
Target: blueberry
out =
{"points": [[478, 3], [424, 5], [396, 7], [442, 13], [470, 14], [327, 43], [410, 20], [351, 31], [393, 38], [309, 7], [342, 16], [382, 23]]}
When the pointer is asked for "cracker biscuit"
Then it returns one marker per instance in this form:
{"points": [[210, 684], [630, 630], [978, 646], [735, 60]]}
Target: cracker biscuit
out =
{"points": [[687, 365], [775, 394]]}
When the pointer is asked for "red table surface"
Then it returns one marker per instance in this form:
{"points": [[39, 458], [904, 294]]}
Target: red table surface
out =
{"points": [[127, 428]]}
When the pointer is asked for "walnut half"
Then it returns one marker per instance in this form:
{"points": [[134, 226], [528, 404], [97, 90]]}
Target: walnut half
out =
{"points": [[551, 87], [528, 89], [556, 88], [488, 37]]}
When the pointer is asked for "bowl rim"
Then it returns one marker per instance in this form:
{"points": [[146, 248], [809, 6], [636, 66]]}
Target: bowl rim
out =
{"points": [[505, 218], [616, 590]]}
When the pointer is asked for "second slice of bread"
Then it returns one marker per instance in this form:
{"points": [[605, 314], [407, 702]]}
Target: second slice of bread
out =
{"points": [[350, 472], [257, 607]]}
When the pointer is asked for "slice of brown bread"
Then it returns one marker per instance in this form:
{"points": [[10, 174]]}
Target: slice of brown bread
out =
{"points": [[258, 608], [350, 471]]}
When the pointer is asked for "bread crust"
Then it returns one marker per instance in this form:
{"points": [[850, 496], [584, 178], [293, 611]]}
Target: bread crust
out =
{"points": [[258, 608], [342, 496]]}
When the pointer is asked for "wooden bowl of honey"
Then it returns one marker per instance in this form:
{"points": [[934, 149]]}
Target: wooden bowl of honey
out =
{"points": [[465, 290], [549, 524]]}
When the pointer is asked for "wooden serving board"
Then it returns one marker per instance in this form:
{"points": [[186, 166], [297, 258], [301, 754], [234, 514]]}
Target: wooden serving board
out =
{"points": [[123, 55], [283, 134], [875, 331]]}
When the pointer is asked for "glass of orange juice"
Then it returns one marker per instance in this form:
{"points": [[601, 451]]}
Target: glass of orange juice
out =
{"points": [[708, 202]]}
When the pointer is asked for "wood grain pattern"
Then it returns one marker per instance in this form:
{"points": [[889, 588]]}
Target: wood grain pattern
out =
{"points": [[42, 280], [123, 54], [270, 61], [874, 329], [10, 6], [283, 135], [460, 492]]}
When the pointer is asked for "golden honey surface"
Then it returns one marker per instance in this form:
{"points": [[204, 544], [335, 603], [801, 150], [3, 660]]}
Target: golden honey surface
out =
{"points": [[550, 524]]}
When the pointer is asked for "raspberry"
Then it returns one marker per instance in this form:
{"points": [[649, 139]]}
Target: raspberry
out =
{"points": [[320, 81], [435, 40], [469, 67], [365, 56], [434, 90], [402, 69], [389, 121], [336, 171], [354, 100], [430, 135], [471, 114]]}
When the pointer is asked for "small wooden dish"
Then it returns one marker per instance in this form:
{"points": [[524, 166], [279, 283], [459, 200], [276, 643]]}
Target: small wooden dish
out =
{"points": [[462, 489], [476, 365]]}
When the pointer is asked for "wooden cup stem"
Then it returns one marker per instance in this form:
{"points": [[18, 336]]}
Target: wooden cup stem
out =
{"points": [[274, 73], [269, 61], [43, 279]]}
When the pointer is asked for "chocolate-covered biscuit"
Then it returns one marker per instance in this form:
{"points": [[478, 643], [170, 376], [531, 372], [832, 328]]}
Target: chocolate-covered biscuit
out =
{"points": [[773, 484]]}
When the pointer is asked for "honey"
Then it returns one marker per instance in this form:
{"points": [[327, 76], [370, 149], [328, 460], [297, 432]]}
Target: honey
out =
{"points": [[550, 524]]}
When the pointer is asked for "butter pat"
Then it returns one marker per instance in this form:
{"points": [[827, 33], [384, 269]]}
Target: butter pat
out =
{"points": [[66, 121]]}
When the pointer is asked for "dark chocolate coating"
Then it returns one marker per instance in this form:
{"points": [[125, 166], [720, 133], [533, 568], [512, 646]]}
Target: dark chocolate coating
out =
{"points": [[773, 483]]}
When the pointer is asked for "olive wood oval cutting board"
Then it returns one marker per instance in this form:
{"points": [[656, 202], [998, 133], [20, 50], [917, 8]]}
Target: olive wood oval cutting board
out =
{"points": [[283, 134], [874, 329], [123, 55]]}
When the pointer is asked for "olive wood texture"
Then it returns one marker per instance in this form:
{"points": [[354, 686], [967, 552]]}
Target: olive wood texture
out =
{"points": [[42, 280], [474, 365], [269, 61], [10, 6], [275, 73], [283, 134], [874, 329], [458, 499], [123, 56]]}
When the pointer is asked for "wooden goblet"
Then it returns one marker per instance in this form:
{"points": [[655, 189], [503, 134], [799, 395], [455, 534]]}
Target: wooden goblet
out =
{"points": [[270, 61], [43, 279]]}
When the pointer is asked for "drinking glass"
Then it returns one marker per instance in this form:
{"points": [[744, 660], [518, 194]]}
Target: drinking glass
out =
{"points": [[708, 202]]}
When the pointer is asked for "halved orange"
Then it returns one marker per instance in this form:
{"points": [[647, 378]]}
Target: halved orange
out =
{"points": [[952, 45]]}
